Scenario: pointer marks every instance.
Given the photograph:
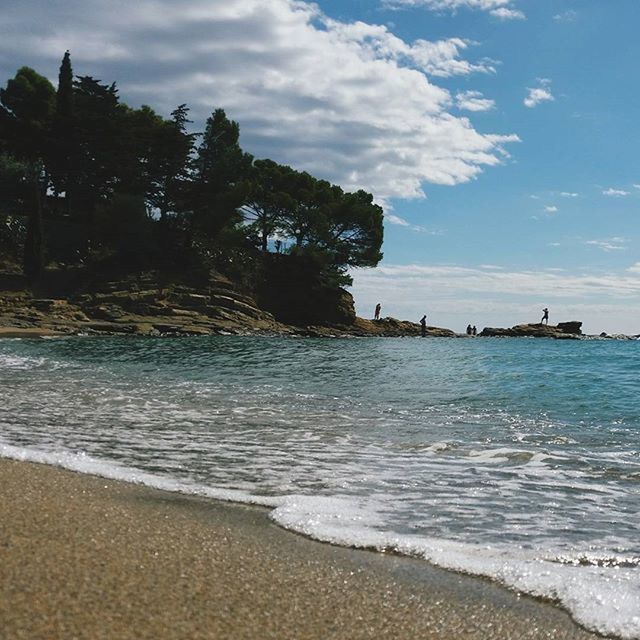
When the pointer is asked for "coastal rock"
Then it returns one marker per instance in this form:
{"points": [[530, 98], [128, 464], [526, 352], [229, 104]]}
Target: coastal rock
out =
{"points": [[564, 330], [391, 327], [144, 304]]}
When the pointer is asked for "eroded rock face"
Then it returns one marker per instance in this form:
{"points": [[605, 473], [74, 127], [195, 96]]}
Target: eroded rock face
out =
{"points": [[143, 307]]}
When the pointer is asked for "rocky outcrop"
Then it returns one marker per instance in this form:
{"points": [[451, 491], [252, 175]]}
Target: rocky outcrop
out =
{"points": [[144, 308], [563, 330], [390, 327]]}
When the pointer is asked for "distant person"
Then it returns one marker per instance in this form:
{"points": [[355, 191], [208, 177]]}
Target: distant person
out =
{"points": [[474, 331], [545, 316], [469, 329], [423, 326], [376, 315]]}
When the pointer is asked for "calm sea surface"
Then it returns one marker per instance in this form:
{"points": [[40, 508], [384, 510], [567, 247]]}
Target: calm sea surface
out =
{"points": [[517, 459]]}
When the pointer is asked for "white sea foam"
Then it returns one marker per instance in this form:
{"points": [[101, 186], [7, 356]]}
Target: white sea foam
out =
{"points": [[82, 463], [454, 452], [606, 603]]}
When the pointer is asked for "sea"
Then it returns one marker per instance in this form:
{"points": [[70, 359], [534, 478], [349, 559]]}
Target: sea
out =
{"points": [[515, 459]]}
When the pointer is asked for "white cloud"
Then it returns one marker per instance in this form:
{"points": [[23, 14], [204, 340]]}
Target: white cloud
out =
{"points": [[349, 102], [636, 186], [551, 209], [502, 9], [615, 193], [541, 93], [566, 16], [440, 58], [393, 219], [609, 244], [569, 194], [454, 295], [634, 268], [503, 13], [473, 101], [552, 284], [401, 222]]}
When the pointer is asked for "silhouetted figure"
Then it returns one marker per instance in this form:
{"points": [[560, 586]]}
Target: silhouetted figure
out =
{"points": [[545, 316], [423, 326], [376, 315], [474, 331], [469, 330]]}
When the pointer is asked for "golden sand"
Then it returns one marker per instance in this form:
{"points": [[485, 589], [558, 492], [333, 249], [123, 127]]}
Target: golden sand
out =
{"points": [[83, 557]]}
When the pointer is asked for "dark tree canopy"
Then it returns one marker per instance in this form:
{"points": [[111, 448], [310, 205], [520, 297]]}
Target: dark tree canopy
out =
{"points": [[107, 181]]}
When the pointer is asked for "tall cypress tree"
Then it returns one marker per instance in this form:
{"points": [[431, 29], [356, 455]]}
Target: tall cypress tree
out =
{"points": [[63, 142]]}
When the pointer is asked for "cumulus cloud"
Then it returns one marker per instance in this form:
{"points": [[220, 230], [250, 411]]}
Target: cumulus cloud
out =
{"points": [[502, 9], [473, 101], [634, 268], [551, 209], [615, 193], [349, 102], [541, 93]]}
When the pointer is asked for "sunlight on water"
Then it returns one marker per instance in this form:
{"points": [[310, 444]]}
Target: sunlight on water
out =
{"points": [[516, 459]]}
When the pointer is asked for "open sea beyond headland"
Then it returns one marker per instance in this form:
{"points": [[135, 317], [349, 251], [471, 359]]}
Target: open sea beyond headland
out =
{"points": [[516, 459]]}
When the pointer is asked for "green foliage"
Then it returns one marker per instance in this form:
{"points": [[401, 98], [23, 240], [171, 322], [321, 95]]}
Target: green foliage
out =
{"points": [[218, 187], [26, 108], [268, 200], [122, 184]]}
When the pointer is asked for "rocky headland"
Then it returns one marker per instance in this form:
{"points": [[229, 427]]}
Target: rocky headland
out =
{"points": [[71, 303]]}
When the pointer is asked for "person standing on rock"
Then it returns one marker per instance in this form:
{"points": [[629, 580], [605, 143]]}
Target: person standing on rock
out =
{"points": [[545, 316], [474, 331], [376, 315], [423, 326]]}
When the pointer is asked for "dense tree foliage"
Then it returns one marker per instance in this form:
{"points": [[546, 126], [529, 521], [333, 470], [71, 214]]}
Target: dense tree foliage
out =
{"points": [[109, 182]]}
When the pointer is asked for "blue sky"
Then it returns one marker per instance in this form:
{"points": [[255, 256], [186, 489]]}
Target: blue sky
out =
{"points": [[499, 134]]}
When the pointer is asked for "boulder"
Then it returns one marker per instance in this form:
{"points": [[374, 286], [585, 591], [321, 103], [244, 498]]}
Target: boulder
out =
{"points": [[573, 326]]}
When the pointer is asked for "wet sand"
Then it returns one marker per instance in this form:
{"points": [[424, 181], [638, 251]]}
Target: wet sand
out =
{"points": [[87, 558]]}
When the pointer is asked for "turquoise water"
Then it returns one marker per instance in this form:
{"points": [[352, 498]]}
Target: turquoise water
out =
{"points": [[517, 459]]}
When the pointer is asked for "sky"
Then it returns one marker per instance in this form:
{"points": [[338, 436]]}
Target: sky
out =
{"points": [[499, 135]]}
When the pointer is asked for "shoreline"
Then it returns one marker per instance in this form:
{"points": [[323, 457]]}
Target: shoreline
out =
{"points": [[86, 557], [9, 332]]}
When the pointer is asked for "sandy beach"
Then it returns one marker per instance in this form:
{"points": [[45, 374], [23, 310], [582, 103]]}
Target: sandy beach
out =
{"points": [[84, 557]]}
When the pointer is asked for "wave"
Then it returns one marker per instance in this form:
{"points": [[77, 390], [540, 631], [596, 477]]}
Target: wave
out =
{"points": [[600, 591]]}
